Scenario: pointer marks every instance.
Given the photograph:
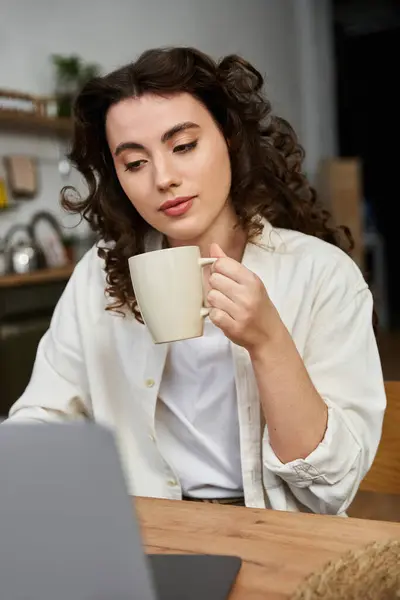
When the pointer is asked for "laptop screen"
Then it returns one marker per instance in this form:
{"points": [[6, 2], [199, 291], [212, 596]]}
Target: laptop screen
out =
{"points": [[68, 529]]}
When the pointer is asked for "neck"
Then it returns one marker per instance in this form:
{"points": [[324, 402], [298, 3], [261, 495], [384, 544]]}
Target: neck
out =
{"points": [[225, 232]]}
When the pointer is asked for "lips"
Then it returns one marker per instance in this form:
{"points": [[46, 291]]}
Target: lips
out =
{"points": [[177, 206]]}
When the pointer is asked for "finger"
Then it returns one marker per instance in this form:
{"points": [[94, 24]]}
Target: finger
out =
{"points": [[222, 320], [216, 251], [232, 269], [225, 285], [217, 300]]}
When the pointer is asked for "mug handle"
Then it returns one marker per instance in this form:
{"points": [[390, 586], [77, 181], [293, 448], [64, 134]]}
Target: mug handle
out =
{"points": [[203, 262]]}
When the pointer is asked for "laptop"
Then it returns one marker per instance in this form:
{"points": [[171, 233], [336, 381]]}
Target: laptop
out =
{"points": [[68, 529]]}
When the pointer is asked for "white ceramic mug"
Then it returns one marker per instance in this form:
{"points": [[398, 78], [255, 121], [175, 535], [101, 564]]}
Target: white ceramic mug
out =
{"points": [[168, 286]]}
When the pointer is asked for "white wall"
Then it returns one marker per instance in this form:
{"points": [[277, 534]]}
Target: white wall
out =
{"points": [[270, 33], [317, 131]]}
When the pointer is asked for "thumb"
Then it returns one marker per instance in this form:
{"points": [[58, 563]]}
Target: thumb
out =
{"points": [[216, 251]]}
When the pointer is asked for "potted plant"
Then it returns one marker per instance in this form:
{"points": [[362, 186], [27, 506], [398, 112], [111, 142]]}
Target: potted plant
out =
{"points": [[71, 74]]}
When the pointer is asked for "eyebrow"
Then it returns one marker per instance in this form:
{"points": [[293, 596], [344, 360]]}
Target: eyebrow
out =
{"points": [[164, 138]]}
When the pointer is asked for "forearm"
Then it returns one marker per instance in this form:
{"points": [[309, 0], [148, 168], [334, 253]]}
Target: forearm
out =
{"points": [[295, 414]]}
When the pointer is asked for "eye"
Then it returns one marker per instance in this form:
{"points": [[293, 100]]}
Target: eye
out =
{"points": [[135, 165], [182, 148]]}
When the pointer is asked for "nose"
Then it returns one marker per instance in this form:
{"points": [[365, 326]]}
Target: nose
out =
{"points": [[165, 174]]}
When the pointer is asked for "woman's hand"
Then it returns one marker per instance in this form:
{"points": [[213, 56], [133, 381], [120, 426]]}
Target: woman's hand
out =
{"points": [[240, 305]]}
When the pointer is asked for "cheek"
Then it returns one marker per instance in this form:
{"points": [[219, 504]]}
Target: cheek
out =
{"points": [[215, 168], [218, 171]]}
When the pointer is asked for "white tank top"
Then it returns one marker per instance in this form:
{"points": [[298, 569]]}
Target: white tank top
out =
{"points": [[197, 422]]}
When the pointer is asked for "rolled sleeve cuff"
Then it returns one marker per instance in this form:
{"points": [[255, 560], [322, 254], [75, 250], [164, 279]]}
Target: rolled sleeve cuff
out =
{"points": [[329, 463]]}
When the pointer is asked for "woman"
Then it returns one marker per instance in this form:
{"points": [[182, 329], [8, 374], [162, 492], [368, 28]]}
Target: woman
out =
{"points": [[280, 403]]}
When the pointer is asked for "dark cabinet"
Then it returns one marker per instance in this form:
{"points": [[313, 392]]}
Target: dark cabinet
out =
{"points": [[25, 314]]}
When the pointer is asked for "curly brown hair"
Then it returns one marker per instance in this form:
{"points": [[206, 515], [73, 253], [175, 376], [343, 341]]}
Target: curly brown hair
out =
{"points": [[266, 158]]}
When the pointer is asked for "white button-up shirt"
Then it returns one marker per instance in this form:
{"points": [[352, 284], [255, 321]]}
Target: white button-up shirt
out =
{"points": [[95, 364]]}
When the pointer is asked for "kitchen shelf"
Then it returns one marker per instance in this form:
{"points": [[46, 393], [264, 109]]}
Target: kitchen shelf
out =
{"points": [[9, 207], [32, 123], [40, 276]]}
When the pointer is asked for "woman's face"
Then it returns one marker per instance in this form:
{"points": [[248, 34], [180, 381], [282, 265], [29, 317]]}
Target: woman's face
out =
{"points": [[172, 162]]}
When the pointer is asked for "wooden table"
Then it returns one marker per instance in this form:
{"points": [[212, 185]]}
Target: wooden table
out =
{"points": [[278, 549]]}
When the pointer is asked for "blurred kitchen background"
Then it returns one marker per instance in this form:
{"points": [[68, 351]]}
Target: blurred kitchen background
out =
{"points": [[329, 68]]}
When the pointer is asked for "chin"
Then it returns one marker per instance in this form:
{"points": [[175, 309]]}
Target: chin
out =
{"points": [[185, 230]]}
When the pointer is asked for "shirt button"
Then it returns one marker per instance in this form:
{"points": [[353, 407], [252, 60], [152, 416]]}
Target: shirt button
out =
{"points": [[151, 437], [150, 383], [172, 483]]}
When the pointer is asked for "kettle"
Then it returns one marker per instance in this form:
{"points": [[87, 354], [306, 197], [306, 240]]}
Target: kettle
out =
{"points": [[21, 252]]}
